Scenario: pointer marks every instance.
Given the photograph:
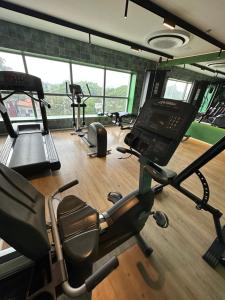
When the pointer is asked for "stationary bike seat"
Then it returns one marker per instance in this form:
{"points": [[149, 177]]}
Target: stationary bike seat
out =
{"points": [[79, 229]]}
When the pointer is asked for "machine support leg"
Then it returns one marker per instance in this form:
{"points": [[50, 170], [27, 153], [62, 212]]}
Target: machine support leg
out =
{"points": [[219, 231], [147, 251]]}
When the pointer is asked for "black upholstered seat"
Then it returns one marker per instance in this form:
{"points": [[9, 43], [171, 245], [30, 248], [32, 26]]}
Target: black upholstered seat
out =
{"points": [[79, 229], [22, 215]]}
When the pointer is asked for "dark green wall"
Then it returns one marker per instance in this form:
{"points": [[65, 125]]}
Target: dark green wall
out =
{"points": [[29, 40], [187, 75]]}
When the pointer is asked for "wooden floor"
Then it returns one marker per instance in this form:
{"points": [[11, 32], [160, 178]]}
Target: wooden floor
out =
{"points": [[175, 270]]}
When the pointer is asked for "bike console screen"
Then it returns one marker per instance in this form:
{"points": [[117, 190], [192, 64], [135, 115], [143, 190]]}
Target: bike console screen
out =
{"points": [[159, 128]]}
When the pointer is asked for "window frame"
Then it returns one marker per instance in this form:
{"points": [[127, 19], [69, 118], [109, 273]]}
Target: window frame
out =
{"points": [[185, 90]]}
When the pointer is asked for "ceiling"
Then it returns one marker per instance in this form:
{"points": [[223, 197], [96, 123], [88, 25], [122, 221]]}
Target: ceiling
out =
{"points": [[108, 16]]}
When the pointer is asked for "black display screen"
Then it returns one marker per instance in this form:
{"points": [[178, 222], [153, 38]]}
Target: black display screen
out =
{"points": [[159, 128]]}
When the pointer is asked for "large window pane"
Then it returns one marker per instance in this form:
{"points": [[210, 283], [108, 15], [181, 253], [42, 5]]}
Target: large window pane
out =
{"points": [[11, 62], [178, 90], [115, 104], [19, 106], [94, 106], [117, 84], [53, 74], [60, 106], [94, 77]]}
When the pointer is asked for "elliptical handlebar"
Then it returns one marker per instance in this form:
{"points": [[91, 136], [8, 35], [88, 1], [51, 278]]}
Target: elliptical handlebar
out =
{"points": [[89, 92], [29, 95]]}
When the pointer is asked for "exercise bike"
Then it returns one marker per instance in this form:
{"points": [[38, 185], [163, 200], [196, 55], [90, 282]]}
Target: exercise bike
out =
{"points": [[81, 235], [96, 135]]}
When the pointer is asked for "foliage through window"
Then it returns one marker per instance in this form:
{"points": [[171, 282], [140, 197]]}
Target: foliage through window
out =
{"points": [[177, 89], [109, 89], [53, 74], [116, 91]]}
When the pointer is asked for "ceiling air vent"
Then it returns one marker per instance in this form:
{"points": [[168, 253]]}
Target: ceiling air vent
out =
{"points": [[167, 39]]}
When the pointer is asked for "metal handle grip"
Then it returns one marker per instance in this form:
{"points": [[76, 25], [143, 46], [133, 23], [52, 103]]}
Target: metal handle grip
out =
{"points": [[122, 149], [101, 273], [68, 186]]}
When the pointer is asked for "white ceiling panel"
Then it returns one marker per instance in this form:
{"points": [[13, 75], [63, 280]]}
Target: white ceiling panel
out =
{"points": [[107, 17]]}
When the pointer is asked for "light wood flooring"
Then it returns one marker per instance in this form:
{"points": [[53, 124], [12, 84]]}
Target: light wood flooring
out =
{"points": [[175, 270]]}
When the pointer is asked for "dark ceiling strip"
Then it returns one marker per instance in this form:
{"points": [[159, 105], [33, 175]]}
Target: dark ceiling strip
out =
{"points": [[58, 21], [208, 69], [126, 8], [158, 10]]}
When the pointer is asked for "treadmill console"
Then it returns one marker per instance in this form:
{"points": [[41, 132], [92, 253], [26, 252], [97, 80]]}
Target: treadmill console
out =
{"points": [[159, 128], [18, 81]]}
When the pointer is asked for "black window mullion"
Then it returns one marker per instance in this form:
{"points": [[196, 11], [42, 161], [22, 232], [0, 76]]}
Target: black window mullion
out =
{"points": [[71, 73], [26, 71], [104, 87]]}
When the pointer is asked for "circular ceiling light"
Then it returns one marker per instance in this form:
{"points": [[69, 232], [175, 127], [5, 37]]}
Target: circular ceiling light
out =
{"points": [[217, 65], [167, 39]]}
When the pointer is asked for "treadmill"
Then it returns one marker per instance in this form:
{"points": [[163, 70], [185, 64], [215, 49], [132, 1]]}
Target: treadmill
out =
{"points": [[29, 148]]}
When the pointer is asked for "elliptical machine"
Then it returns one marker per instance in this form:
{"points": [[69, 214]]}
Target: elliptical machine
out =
{"points": [[96, 135]]}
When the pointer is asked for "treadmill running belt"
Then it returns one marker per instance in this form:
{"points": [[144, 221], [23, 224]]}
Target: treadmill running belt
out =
{"points": [[28, 151]]}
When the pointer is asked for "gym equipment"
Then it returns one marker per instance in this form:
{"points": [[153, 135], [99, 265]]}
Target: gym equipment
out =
{"points": [[96, 135], [29, 148], [81, 235], [213, 111], [219, 121], [123, 119], [156, 150], [215, 115], [214, 254], [38, 271]]}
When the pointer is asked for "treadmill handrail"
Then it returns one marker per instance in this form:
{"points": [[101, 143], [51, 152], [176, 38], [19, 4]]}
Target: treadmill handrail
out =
{"points": [[29, 95]]}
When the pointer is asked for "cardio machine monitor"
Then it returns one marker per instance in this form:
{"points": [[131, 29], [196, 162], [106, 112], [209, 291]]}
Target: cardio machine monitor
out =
{"points": [[159, 128]]}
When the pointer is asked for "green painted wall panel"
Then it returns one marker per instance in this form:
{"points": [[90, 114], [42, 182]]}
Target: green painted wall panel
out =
{"points": [[132, 93], [205, 132]]}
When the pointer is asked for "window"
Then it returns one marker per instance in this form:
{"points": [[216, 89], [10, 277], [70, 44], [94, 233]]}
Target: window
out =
{"points": [[116, 91], [94, 78], [117, 84], [109, 89], [53, 74], [178, 90], [11, 62], [19, 106]]}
